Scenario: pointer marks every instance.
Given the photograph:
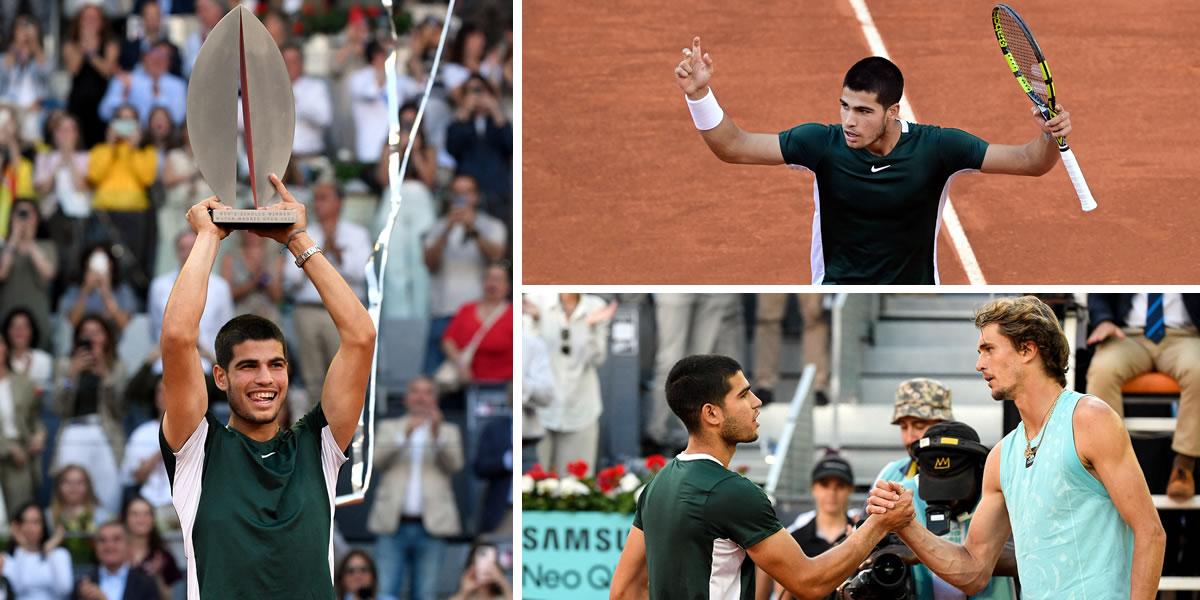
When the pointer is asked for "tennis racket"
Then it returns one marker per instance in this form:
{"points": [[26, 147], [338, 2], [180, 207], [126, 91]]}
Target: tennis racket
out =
{"points": [[1028, 65]]}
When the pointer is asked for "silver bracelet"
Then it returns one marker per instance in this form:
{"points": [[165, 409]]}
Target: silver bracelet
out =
{"points": [[307, 254]]}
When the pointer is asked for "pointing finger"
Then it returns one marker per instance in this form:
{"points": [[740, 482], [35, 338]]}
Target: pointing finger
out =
{"points": [[696, 47]]}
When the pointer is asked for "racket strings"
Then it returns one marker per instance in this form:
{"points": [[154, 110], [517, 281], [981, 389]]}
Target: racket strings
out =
{"points": [[1022, 51]]}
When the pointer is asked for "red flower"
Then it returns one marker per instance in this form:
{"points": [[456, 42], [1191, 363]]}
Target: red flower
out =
{"points": [[298, 28], [609, 478], [578, 468], [537, 473], [654, 462]]}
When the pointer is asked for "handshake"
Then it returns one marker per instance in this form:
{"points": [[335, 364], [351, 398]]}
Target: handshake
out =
{"points": [[892, 504]]}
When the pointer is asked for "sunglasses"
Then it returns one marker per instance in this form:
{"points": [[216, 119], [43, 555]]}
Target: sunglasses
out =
{"points": [[566, 342]]}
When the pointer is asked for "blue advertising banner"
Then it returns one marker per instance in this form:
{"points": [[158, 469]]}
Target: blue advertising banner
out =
{"points": [[570, 554]]}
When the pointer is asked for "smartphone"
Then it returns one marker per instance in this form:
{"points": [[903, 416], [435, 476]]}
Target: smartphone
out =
{"points": [[99, 263], [485, 559]]}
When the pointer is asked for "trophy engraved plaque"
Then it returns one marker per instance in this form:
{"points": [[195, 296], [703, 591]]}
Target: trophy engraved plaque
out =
{"points": [[240, 60]]}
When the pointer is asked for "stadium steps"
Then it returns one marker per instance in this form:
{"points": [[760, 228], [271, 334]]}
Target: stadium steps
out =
{"points": [[910, 335], [1150, 424]]}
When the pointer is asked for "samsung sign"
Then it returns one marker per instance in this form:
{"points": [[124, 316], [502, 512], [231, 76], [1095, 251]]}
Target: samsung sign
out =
{"points": [[570, 553]]}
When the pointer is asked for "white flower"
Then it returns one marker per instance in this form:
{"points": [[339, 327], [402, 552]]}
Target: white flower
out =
{"points": [[527, 484], [571, 486], [629, 482], [548, 487]]}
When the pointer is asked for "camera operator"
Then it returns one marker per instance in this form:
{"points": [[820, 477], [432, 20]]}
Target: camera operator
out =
{"points": [[950, 463]]}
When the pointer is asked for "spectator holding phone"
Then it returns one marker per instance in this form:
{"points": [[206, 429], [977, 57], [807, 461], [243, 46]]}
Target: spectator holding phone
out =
{"points": [[482, 579], [102, 292], [16, 170], [481, 141], [90, 401], [122, 170], [27, 266]]}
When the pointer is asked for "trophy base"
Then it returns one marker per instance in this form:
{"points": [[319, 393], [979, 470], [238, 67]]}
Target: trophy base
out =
{"points": [[241, 218]]}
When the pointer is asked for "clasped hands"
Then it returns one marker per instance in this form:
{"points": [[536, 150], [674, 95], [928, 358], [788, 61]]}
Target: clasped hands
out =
{"points": [[892, 504]]}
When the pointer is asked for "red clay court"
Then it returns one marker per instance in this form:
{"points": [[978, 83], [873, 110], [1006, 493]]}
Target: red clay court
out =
{"points": [[619, 187]]}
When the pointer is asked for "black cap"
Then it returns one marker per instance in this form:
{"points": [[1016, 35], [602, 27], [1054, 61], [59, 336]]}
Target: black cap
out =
{"points": [[947, 458], [834, 466]]}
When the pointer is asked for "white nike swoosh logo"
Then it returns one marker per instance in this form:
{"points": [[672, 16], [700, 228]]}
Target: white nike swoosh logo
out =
{"points": [[268, 455], [876, 170]]}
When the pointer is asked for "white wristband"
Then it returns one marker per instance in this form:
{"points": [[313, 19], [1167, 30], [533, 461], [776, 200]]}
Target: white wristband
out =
{"points": [[706, 113]]}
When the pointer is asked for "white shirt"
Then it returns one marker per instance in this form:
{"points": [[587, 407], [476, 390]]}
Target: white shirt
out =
{"points": [[1174, 313], [113, 583], [37, 577], [575, 378], [218, 310], [38, 366], [460, 278], [355, 245], [417, 442], [314, 112], [369, 100], [8, 423], [143, 444]]}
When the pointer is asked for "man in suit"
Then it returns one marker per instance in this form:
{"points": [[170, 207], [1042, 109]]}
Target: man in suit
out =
{"points": [[1138, 333], [115, 578], [415, 507]]}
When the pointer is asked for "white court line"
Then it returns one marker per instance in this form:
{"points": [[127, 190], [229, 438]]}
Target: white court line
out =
{"points": [[953, 225]]}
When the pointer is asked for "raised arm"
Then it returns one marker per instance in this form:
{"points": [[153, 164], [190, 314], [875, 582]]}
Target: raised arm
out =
{"points": [[814, 578], [346, 380], [1104, 447], [184, 390], [1034, 158], [968, 566], [631, 579], [726, 140]]}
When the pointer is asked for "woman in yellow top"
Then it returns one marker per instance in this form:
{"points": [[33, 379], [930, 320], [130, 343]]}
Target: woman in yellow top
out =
{"points": [[16, 170], [121, 172]]}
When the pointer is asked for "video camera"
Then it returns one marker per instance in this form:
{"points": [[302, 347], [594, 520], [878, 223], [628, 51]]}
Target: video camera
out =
{"points": [[886, 579], [950, 461]]}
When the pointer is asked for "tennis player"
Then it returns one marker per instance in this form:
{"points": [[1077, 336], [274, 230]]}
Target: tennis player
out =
{"points": [[255, 499], [1065, 483], [697, 521], [881, 182]]}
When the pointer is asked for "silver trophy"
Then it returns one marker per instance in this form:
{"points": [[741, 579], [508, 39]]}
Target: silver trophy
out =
{"points": [[239, 59]]}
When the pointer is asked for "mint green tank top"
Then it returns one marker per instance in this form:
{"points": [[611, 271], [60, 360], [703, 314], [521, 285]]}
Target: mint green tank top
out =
{"points": [[1071, 542]]}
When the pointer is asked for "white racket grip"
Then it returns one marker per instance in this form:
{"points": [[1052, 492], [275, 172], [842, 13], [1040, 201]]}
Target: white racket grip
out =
{"points": [[1081, 187]]}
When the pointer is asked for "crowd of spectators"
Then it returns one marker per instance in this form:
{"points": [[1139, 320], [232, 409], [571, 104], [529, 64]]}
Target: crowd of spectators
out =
{"points": [[98, 173]]}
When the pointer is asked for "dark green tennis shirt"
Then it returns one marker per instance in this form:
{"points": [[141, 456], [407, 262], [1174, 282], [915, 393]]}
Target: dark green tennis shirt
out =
{"points": [[876, 218], [257, 517], [698, 518]]}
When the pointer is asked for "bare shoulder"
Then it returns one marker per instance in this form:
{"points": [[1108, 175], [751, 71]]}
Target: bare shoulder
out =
{"points": [[1099, 431], [1095, 416]]}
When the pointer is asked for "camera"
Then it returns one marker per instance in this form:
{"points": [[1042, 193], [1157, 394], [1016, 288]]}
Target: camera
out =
{"points": [[886, 579], [950, 461]]}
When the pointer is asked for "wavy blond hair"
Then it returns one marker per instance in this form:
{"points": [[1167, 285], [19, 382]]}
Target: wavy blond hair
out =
{"points": [[1028, 319]]}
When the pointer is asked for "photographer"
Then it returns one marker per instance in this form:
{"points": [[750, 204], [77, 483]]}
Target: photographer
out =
{"points": [[27, 266], [950, 460]]}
